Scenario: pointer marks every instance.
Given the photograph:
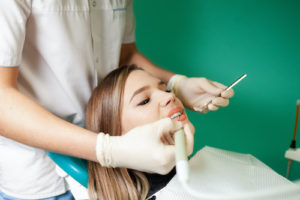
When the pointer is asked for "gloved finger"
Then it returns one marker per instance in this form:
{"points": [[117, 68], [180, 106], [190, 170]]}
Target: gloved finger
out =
{"points": [[203, 109], [167, 126], [167, 159], [219, 85], [201, 106], [169, 140], [224, 93], [212, 107], [220, 101], [163, 140], [189, 139], [209, 87], [227, 93]]}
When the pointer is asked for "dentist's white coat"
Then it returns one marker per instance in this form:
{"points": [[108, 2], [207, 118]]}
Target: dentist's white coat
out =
{"points": [[61, 47]]}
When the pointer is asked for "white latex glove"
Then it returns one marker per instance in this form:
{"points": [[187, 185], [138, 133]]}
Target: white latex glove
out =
{"points": [[189, 138], [200, 94], [141, 148]]}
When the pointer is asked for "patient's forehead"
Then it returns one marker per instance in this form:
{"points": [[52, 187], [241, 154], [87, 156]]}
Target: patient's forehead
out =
{"points": [[136, 80], [140, 76]]}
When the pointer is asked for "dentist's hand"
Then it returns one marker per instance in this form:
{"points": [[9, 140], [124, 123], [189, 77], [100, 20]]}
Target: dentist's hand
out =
{"points": [[200, 94], [141, 148]]}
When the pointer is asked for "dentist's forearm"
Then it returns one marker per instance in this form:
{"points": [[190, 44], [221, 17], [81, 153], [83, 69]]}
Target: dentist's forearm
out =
{"points": [[130, 55], [158, 72], [25, 121]]}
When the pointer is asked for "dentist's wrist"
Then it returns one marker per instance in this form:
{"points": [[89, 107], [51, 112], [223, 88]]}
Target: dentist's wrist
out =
{"points": [[103, 150], [174, 82], [107, 148]]}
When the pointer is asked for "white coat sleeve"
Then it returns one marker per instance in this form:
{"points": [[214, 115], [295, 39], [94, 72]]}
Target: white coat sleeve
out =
{"points": [[13, 17], [129, 34]]}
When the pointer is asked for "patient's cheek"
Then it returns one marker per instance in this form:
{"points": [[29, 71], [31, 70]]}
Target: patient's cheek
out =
{"points": [[126, 125], [130, 123], [126, 128]]}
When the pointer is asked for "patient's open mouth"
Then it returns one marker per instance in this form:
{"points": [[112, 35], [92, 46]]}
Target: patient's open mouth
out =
{"points": [[177, 114]]}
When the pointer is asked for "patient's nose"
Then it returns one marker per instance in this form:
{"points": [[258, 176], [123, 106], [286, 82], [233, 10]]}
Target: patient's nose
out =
{"points": [[167, 98]]}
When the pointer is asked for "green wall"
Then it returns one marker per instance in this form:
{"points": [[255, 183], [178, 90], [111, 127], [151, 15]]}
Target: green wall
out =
{"points": [[221, 40]]}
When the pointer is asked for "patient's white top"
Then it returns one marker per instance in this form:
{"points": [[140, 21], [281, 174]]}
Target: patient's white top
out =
{"points": [[62, 47], [217, 171]]}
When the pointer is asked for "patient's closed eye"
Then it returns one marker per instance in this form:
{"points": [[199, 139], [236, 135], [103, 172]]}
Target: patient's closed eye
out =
{"points": [[145, 101]]}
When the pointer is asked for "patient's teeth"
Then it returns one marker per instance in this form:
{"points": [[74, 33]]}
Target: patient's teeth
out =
{"points": [[175, 115]]}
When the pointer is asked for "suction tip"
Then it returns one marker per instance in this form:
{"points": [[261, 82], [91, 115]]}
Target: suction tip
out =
{"points": [[298, 102]]}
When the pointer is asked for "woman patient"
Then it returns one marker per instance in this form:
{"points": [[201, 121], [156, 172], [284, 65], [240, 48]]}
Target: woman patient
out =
{"points": [[129, 97]]}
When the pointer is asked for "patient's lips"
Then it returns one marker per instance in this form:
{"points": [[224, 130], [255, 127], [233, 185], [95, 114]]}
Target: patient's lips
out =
{"points": [[177, 114]]}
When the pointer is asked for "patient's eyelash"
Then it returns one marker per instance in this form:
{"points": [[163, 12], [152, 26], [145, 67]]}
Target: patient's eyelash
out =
{"points": [[144, 102]]}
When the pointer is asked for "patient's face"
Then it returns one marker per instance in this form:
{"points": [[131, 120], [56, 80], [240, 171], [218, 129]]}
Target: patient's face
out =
{"points": [[146, 100]]}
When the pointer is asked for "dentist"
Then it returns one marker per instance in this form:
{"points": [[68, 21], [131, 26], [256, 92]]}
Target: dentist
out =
{"points": [[52, 54]]}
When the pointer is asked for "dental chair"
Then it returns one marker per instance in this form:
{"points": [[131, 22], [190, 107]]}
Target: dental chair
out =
{"points": [[75, 170]]}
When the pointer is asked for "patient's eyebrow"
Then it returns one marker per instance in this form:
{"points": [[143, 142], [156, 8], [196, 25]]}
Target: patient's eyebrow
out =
{"points": [[139, 91], [145, 88]]}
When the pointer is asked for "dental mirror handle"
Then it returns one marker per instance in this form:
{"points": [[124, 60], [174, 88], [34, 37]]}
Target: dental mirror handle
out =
{"points": [[228, 88], [182, 165]]}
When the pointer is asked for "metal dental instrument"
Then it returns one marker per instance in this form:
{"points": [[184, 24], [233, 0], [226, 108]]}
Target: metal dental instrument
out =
{"points": [[236, 82], [228, 88], [293, 143]]}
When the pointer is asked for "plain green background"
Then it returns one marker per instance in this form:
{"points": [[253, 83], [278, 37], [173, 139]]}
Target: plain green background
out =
{"points": [[221, 40]]}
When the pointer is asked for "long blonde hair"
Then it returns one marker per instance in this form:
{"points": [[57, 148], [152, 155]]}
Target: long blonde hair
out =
{"points": [[103, 114]]}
